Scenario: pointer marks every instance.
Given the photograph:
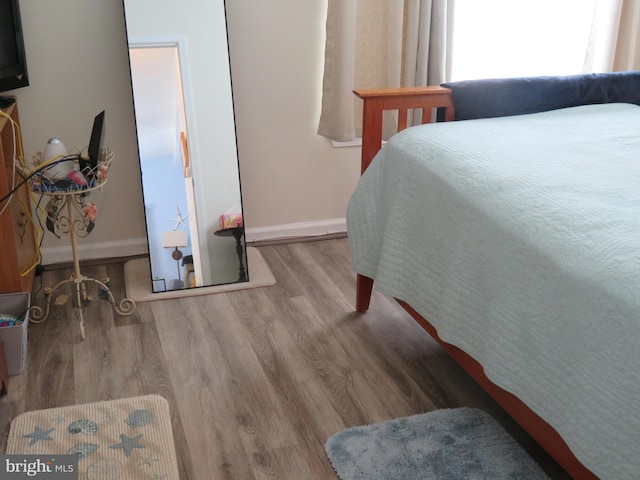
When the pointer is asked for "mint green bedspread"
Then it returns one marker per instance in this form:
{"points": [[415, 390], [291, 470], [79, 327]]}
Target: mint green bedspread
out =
{"points": [[518, 238]]}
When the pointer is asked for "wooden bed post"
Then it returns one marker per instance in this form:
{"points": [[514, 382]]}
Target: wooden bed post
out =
{"points": [[376, 101], [364, 287]]}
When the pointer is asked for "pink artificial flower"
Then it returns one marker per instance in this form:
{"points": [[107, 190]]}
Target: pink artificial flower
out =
{"points": [[78, 178], [90, 211], [103, 170]]}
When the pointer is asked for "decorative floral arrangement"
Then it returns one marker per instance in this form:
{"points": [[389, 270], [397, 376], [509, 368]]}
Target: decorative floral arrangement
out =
{"points": [[101, 175], [90, 211], [34, 170], [58, 221], [72, 191]]}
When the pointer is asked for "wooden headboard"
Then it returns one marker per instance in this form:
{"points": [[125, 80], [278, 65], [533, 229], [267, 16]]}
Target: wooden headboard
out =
{"points": [[492, 98], [376, 101]]}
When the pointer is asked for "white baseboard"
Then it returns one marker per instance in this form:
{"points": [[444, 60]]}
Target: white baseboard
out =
{"points": [[292, 230], [138, 246], [94, 251]]}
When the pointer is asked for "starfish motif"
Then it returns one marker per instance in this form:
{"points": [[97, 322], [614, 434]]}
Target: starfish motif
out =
{"points": [[148, 461], [179, 219], [128, 443], [38, 434]]}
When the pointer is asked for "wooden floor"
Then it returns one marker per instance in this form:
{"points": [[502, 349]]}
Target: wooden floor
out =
{"points": [[257, 379]]}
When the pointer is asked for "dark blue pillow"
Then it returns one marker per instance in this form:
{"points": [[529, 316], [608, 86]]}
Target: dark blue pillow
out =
{"points": [[517, 96]]}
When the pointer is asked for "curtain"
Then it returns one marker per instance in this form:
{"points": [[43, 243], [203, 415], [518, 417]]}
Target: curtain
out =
{"points": [[602, 41], [627, 51], [427, 58], [375, 44], [404, 43]]}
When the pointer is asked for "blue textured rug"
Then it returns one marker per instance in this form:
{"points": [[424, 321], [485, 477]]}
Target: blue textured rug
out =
{"points": [[450, 444]]}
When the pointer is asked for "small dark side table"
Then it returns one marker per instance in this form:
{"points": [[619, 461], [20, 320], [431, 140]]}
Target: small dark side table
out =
{"points": [[237, 233]]}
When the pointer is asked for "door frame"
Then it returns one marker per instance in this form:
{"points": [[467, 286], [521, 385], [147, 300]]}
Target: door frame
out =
{"points": [[179, 42]]}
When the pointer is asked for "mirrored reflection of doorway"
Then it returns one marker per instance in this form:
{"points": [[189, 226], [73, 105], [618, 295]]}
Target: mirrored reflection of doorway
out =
{"points": [[165, 166]]}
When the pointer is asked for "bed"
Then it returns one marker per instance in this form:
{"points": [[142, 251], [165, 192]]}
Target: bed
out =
{"points": [[512, 235]]}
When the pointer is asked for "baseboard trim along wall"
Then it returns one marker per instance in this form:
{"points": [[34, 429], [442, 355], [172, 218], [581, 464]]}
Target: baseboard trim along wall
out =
{"points": [[138, 246], [93, 251], [294, 230]]}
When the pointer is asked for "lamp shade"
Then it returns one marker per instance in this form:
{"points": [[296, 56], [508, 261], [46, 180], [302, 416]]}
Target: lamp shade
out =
{"points": [[174, 239]]}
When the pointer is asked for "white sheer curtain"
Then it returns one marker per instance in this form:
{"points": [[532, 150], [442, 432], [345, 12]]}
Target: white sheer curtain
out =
{"points": [[375, 44], [603, 36]]}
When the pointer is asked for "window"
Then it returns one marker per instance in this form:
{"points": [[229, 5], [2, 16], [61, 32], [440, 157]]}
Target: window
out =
{"points": [[513, 38]]}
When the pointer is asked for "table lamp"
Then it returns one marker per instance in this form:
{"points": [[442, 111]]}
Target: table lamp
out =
{"points": [[175, 239]]}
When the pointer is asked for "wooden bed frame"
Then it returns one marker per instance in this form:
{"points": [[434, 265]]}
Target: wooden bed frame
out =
{"points": [[429, 98]]}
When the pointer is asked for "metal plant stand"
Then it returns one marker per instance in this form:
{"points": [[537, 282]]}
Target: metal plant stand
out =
{"points": [[66, 214]]}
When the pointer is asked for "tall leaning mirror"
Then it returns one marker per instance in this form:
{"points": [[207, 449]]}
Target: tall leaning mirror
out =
{"points": [[186, 137]]}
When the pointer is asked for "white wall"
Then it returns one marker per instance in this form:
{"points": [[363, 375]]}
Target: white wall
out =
{"points": [[78, 65], [289, 173]]}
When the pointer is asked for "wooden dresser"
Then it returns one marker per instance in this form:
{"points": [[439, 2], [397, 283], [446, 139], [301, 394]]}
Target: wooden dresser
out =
{"points": [[18, 252]]}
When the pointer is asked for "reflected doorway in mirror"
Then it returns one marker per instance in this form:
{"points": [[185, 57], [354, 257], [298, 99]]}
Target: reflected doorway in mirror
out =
{"points": [[171, 176], [199, 133]]}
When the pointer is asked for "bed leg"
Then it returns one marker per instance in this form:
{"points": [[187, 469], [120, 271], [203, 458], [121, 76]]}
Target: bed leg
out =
{"points": [[364, 287]]}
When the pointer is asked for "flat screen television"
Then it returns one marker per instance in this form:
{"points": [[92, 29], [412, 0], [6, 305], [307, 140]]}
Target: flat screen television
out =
{"points": [[13, 61]]}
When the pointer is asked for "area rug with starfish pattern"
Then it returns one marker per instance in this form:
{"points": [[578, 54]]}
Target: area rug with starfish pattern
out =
{"points": [[127, 438]]}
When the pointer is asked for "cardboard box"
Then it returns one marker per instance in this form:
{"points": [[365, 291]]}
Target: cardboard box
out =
{"points": [[230, 220], [15, 337]]}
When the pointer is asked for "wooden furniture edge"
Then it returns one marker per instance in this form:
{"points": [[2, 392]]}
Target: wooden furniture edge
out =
{"points": [[538, 428], [17, 270], [543, 433], [376, 101]]}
